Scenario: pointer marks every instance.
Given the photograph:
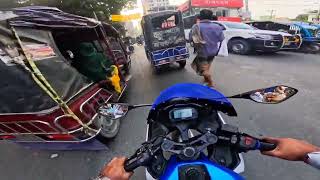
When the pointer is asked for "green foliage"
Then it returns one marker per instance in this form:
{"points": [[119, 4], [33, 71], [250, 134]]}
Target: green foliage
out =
{"points": [[102, 8], [302, 17]]}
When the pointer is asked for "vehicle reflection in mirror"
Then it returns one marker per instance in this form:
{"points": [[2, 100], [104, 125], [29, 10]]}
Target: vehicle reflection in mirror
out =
{"points": [[272, 95], [114, 110]]}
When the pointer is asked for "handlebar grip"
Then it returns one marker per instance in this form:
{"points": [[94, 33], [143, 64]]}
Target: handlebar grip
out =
{"points": [[130, 166], [133, 163], [265, 146]]}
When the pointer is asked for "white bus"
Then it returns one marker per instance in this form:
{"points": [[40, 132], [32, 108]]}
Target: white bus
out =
{"points": [[189, 21]]}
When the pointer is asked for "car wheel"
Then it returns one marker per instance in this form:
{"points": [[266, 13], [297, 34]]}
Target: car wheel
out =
{"points": [[239, 46], [314, 48], [182, 64], [109, 128]]}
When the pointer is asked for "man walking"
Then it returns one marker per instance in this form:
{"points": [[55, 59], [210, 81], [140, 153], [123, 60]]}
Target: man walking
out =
{"points": [[207, 37]]}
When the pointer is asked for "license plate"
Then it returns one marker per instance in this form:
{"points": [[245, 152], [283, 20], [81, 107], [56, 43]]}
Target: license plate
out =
{"points": [[178, 57], [162, 62]]}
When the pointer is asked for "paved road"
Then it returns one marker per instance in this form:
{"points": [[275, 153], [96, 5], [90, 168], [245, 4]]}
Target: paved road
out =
{"points": [[298, 117]]}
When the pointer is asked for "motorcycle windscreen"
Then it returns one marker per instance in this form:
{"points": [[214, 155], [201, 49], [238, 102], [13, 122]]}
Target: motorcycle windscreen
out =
{"points": [[198, 169], [40, 46], [18, 91], [196, 91]]}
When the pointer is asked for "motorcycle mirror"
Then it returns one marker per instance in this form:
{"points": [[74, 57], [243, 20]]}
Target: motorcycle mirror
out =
{"points": [[271, 95], [131, 48], [114, 111]]}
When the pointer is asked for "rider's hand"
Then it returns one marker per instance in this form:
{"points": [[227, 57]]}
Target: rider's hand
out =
{"points": [[115, 170], [290, 149]]}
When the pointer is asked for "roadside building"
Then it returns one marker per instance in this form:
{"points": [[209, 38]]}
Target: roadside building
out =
{"points": [[150, 6]]}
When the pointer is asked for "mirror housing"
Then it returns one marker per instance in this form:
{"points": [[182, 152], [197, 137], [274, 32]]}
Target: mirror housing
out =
{"points": [[131, 48], [271, 95], [114, 111]]}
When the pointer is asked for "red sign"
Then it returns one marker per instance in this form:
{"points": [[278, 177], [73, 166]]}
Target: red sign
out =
{"points": [[217, 3], [232, 19], [183, 7]]}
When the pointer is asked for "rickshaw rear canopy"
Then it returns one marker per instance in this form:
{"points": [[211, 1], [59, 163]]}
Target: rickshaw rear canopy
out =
{"points": [[49, 17]]}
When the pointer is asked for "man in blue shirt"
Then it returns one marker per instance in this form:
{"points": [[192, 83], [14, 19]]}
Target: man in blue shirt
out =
{"points": [[206, 36]]}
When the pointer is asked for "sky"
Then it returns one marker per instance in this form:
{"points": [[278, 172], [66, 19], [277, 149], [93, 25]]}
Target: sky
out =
{"points": [[282, 8]]}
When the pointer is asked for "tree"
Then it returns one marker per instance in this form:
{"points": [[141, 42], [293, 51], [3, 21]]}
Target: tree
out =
{"points": [[102, 8], [302, 17]]}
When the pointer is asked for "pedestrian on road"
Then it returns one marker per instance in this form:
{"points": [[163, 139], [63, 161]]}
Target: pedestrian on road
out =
{"points": [[206, 36]]}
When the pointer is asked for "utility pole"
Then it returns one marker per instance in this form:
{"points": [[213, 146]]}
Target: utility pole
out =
{"points": [[319, 14], [247, 5], [272, 12]]}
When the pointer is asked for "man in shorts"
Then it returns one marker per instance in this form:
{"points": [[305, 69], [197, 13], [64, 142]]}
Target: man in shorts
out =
{"points": [[207, 37]]}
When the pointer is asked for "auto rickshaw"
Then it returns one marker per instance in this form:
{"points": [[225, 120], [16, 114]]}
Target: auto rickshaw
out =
{"points": [[165, 42], [120, 51], [45, 97]]}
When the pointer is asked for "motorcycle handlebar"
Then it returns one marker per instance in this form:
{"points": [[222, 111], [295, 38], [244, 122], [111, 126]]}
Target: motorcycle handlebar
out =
{"points": [[245, 144], [265, 146], [248, 143], [129, 167], [135, 162]]}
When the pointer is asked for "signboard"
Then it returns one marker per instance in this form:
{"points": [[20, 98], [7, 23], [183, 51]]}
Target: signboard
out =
{"points": [[184, 7], [217, 3], [125, 18], [232, 19], [38, 51]]}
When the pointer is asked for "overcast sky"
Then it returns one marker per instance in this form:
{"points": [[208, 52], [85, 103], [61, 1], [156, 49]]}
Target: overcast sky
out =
{"points": [[283, 8]]}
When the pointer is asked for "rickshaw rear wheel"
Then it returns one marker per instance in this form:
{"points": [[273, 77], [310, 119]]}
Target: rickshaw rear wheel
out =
{"points": [[109, 128], [156, 69], [182, 64]]}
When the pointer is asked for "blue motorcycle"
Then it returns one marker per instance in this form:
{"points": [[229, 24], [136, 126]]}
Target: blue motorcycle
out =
{"points": [[187, 138]]}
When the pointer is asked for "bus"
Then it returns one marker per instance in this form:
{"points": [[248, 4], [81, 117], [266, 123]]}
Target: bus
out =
{"points": [[226, 10], [188, 22]]}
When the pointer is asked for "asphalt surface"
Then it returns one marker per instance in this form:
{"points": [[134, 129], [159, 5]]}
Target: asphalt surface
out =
{"points": [[298, 117]]}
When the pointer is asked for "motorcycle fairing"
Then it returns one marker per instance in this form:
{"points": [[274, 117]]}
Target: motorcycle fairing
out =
{"points": [[195, 91], [215, 171]]}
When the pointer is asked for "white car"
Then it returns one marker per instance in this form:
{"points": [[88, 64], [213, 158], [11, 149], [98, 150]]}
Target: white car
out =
{"points": [[243, 39]]}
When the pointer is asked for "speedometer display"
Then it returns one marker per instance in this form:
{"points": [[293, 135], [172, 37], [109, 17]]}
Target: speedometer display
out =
{"points": [[180, 114]]}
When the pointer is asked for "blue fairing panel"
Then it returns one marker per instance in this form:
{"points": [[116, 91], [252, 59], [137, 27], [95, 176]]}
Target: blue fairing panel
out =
{"points": [[216, 172], [196, 91]]}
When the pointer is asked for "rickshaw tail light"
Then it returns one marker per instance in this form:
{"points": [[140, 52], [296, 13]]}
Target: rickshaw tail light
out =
{"points": [[7, 137], [61, 137]]}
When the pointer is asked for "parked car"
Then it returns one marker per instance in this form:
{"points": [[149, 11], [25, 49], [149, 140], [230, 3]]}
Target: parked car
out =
{"points": [[243, 39], [309, 33]]}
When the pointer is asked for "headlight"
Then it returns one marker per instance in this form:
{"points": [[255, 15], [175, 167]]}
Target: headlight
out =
{"points": [[263, 36]]}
